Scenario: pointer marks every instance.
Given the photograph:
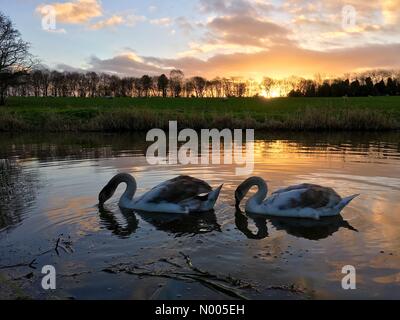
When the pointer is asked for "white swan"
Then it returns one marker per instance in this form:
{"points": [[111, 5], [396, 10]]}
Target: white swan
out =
{"points": [[302, 201], [180, 195]]}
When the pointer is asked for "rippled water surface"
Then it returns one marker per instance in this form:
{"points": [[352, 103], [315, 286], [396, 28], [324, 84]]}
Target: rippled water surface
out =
{"points": [[48, 191]]}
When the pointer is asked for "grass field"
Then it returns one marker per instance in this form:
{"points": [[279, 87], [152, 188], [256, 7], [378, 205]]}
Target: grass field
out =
{"points": [[135, 114]]}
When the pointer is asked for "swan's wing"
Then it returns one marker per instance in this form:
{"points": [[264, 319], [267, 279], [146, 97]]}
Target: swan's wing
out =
{"points": [[177, 190], [297, 187], [311, 196]]}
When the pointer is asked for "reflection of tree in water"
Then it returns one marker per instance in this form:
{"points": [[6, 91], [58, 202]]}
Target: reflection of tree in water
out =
{"points": [[17, 192], [301, 228], [66, 146], [177, 224]]}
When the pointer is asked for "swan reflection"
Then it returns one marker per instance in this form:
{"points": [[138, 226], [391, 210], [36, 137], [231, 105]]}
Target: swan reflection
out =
{"points": [[301, 228], [176, 224], [183, 225], [111, 223]]}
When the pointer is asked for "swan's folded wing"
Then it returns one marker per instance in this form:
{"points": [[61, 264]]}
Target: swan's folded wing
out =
{"points": [[297, 187], [315, 197], [178, 190]]}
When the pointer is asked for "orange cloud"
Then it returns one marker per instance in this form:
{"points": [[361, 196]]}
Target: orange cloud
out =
{"points": [[277, 62], [110, 22], [74, 12], [390, 11]]}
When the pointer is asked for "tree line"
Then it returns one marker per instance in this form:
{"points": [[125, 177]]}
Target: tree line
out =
{"points": [[45, 83], [361, 86]]}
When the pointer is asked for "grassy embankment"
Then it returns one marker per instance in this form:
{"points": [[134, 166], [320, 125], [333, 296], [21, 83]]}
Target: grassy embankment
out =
{"points": [[122, 114]]}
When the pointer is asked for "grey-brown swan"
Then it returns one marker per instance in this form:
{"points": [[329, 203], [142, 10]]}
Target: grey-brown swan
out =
{"points": [[301, 201], [183, 194]]}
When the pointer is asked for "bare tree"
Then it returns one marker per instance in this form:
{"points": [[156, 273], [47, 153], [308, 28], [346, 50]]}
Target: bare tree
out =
{"points": [[176, 81], [267, 84], [15, 59], [147, 83], [199, 86], [162, 85]]}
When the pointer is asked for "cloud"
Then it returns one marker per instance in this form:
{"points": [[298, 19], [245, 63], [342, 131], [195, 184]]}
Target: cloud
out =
{"points": [[128, 64], [391, 12], [229, 7], [184, 25], [152, 8], [245, 30], [74, 12], [166, 22], [56, 31], [115, 20], [279, 61]]}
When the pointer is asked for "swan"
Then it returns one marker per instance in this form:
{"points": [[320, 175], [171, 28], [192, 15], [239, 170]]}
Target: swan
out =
{"points": [[302, 201], [183, 194]]}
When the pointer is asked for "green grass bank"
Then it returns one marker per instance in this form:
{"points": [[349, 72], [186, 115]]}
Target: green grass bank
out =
{"points": [[136, 114]]}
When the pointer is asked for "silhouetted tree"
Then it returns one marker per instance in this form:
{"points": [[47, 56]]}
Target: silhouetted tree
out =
{"points": [[324, 90], [15, 59], [176, 81], [355, 88], [369, 87], [391, 86], [147, 83], [162, 85], [267, 85], [199, 84], [380, 88]]}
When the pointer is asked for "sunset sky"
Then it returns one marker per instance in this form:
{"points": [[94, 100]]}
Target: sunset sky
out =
{"points": [[249, 38]]}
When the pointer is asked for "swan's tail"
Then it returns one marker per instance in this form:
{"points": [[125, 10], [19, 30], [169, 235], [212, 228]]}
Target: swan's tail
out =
{"points": [[213, 196], [345, 202], [202, 203]]}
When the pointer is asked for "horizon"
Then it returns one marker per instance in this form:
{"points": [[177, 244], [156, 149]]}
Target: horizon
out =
{"points": [[208, 38]]}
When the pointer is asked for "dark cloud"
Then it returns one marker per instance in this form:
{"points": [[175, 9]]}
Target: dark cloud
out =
{"points": [[235, 7], [227, 7]]}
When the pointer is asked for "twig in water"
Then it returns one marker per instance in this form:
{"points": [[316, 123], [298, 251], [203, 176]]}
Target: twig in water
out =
{"points": [[28, 264], [33, 262], [292, 288], [215, 282]]}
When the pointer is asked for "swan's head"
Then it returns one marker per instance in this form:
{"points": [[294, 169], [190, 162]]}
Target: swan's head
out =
{"points": [[106, 194]]}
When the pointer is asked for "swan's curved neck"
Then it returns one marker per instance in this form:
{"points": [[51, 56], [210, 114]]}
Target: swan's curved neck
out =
{"points": [[245, 187], [261, 193], [131, 187]]}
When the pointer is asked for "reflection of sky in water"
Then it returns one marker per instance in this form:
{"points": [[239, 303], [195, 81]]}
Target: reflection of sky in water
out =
{"points": [[67, 178]]}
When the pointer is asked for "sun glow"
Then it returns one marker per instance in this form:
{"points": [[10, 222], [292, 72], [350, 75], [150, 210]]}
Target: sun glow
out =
{"points": [[273, 93]]}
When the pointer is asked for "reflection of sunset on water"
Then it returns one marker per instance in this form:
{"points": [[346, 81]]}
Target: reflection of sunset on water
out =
{"points": [[263, 249]]}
